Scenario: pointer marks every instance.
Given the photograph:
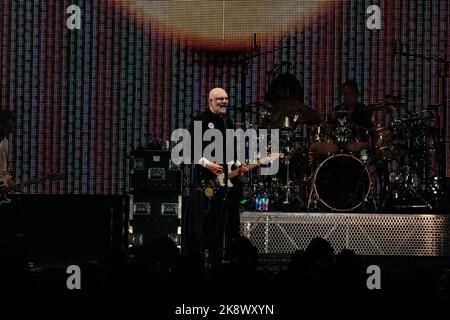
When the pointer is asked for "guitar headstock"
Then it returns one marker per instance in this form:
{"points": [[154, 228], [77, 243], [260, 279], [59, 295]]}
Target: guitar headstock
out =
{"points": [[271, 157]]}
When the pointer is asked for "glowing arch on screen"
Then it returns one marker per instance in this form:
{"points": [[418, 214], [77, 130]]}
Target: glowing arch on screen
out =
{"points": [[229, 24]]}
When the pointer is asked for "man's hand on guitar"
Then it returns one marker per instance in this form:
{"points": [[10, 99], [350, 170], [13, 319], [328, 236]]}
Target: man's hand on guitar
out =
{"points": [[16, 187], [243, 169], [215, 168], [12, 186]]}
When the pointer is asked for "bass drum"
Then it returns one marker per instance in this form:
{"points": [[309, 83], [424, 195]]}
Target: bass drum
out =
{"points": [[342, 182]]}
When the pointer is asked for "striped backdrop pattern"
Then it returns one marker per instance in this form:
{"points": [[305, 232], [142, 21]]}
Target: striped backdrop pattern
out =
{"points": [[85, 98]]}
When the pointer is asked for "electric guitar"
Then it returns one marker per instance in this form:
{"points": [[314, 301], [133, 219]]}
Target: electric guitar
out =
{"points": [[210, 186], [5, 188]]}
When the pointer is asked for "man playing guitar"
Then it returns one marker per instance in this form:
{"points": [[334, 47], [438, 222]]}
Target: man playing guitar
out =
{"points": [[7, 126], [212, 223], [11, 226]]}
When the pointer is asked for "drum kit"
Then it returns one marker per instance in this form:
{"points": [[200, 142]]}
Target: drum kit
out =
{"points": [[343, 167]]}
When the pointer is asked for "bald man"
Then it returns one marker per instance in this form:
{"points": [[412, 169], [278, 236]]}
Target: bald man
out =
{"points": [[212, 222]]}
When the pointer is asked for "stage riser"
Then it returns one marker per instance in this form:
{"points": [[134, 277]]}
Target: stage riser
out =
{"points": [[366, 234]]}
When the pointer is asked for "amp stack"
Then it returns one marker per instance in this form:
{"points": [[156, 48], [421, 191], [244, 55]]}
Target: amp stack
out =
{"points": [[155, 197]]}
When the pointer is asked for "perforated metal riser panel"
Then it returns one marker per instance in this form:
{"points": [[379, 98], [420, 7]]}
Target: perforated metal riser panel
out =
{"points": [[366, 234]]}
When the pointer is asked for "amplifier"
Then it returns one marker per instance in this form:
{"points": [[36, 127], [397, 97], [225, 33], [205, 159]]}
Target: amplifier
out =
{"points": [[154, 215], [152, 170]]}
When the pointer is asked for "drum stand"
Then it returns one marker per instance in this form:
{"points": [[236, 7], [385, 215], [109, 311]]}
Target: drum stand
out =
{"points": [[312, 200], [372, 190], [286, 199], [401, 188], [374, 202]]}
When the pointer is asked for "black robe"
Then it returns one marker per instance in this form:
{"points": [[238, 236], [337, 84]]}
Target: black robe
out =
{"points": [[211, 223]]}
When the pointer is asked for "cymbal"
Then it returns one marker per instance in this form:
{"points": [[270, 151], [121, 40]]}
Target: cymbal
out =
{"points": [[289, 112], [389, 107]]}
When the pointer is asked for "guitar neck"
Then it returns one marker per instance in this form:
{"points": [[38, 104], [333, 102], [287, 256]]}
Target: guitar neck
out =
{"points": [[250, 166], [33, 181], [234, 173], [5, 188]]}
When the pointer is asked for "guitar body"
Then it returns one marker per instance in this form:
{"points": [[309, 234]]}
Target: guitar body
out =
{"points": [[5, 189], [221, 177], [210, 186]]}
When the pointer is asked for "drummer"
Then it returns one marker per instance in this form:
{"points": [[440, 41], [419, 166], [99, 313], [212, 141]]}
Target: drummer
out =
{"points": [[359, 115]]}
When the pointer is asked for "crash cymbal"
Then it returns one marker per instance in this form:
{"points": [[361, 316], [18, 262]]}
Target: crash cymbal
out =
{"points": [[290, 112], [283, 121], [307, 115], [388, 107]]}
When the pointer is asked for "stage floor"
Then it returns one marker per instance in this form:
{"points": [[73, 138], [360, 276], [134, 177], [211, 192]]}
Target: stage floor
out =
{"points": [[275, 233]]}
